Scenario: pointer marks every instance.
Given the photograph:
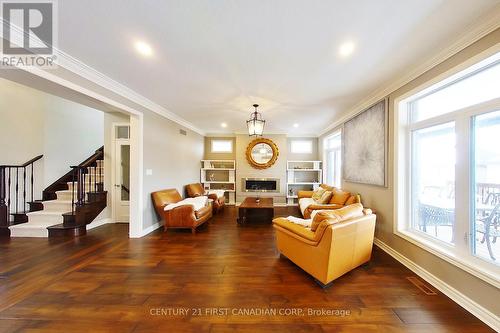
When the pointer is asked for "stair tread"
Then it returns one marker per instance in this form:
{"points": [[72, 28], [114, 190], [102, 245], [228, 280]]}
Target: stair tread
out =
{"points": [[47, 212]]}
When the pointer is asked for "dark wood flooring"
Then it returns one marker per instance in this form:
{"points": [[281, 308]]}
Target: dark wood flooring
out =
{"points": [[105, 282]]}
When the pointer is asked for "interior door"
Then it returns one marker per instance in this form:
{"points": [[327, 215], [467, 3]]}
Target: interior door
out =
{"points": [[122, 181]]}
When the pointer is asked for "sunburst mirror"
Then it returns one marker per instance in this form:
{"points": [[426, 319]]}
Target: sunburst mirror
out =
{"points": [[262, 153]]}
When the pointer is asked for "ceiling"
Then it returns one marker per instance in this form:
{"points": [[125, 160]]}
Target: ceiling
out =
{"points": [[213, 59]]}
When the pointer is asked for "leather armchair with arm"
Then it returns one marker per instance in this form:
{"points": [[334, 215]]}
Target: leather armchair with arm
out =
{"points": [[339, 244], [184, 216], [196, 190]]}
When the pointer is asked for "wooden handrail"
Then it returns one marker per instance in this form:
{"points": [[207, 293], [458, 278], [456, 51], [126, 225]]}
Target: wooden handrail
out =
{"points": [[23, 182], [33, 160], [92, 159]]}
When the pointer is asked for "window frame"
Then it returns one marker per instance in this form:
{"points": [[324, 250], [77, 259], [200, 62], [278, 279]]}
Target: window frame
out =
{"points": [[326, 150], [309, 142], [221, 151], [459, 254]]}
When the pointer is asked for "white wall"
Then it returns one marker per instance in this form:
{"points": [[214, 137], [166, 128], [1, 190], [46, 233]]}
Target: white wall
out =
{"points": [[34, 123], [173, 158], [20, 139], [72, 133]]}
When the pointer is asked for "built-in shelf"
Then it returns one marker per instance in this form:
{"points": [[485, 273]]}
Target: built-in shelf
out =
{"points": [[219, 175], [302, 176]]}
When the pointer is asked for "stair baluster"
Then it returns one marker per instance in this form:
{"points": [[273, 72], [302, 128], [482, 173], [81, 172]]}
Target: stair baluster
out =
{"points": [[17, 190], [24, 189], [4, 213], [6, 192]]}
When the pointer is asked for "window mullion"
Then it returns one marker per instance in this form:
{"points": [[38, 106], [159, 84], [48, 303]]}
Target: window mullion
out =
{"points": [[462, 182]]}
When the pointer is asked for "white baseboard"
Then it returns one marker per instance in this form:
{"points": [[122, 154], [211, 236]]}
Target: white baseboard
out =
{"points": [[477, 310], [150, 229], [98, 223]]}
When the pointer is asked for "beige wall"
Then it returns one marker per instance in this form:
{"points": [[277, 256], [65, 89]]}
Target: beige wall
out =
{"points": [[382, 199], [173, 158], [245, 170]]}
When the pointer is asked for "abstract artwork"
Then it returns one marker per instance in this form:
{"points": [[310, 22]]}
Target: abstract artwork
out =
{"points": [[365, 139]]}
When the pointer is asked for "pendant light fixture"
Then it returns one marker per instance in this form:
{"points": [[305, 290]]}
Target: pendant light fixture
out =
{"points": [[255, 124]]}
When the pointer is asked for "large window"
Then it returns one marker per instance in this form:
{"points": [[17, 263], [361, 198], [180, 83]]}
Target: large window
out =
{"points": [[448, 168], [332, 155]]}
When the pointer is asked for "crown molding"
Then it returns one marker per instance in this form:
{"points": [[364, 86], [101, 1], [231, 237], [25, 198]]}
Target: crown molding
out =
{"points": [[89, 73], [477, 30], [74, 65]]}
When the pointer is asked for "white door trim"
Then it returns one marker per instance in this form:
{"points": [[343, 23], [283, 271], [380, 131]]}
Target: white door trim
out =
{"points": [[136, 224], [114, 141]]}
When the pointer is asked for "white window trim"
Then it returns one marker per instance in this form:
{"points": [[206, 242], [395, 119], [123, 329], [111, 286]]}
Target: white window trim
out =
{"points": [[309, 142], [218, 151], [401, 181], [327, 150], [458, 254]]}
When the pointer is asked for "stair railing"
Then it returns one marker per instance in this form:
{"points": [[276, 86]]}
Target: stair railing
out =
{"points": [[14, 198], [87, 178]]}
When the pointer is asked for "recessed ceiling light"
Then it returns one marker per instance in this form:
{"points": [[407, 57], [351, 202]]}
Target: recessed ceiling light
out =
{"points": [[223, 125], [295, 125], [143, 48], [346, 49]]}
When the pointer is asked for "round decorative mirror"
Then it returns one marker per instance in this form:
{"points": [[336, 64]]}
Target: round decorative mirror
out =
{"points": [[262, 153]]}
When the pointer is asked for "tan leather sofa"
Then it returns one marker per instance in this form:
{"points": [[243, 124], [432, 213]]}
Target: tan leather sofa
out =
{"points": [[342, 241], [308, 205], [196, 190], [179, 217]]}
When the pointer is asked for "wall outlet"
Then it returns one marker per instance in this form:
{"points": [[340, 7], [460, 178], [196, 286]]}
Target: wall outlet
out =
{"points": [[149, 172]]}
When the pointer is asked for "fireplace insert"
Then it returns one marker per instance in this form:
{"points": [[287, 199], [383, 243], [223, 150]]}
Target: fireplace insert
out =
{"points": [[260, 184]]}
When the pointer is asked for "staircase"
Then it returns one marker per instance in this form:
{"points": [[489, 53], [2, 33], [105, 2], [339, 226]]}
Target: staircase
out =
{"points": [[67, 205]]}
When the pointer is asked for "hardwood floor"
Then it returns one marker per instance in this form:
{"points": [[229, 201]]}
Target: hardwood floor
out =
{"points": [[179, 282]]}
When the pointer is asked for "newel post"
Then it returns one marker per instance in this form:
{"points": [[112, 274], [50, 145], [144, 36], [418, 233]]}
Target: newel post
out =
{"points": [[80, 194]]}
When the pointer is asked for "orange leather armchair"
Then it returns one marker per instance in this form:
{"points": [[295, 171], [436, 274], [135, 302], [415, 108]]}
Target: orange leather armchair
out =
{"points": [[179, 217], [196, 190], [337, 241]]}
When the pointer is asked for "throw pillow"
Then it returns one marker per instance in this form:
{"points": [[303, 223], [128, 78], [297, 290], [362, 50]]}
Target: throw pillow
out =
{"points": [[352, 199], [337, 215], [339, 197], [325, 198], [318, 193], [327, 187]]}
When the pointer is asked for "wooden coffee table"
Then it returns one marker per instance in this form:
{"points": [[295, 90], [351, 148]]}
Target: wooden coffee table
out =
{"points": [[251, 210]]}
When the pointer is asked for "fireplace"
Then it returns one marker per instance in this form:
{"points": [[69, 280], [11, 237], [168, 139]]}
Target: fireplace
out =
{"points": [[260, 184]]}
